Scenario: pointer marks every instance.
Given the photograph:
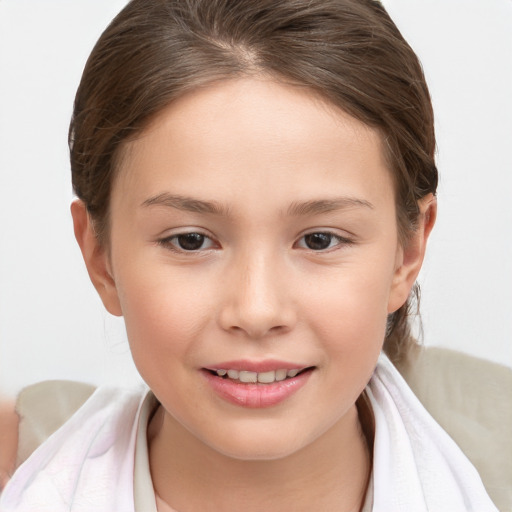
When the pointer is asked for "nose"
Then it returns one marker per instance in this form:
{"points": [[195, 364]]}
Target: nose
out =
{"points": [[256, 299]]}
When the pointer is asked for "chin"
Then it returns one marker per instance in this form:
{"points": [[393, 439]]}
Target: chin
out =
{"points": [[258, 446], [257, 453]]}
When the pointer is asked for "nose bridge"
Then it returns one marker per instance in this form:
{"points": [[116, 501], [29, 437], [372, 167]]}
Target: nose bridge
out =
{"points": [[257, 302], [259, 290]]}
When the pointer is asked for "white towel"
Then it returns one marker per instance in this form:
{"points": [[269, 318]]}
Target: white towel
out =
{"points": [[88, 464], [417, 467]]}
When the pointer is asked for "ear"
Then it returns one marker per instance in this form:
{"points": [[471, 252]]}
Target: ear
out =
{"points": [[410, 257], [96, 258]]}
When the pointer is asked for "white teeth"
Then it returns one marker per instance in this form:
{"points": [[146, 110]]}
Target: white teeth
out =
{"points": [[248, 377], [233, 374], [281, 374], [267, 377]]}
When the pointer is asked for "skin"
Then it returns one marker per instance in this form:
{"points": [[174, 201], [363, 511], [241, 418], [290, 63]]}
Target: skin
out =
{"points": [[277, 164]]}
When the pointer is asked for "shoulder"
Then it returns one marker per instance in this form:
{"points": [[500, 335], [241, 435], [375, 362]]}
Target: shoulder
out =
{"points": [[470, 398], [43, 408], [38, 411], [88, 459]]}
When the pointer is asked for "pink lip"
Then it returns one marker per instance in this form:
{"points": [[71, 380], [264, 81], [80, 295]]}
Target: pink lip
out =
{"points": [[256, 396]]}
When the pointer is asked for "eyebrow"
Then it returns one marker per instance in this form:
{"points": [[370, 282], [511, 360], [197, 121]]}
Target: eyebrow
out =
{"points": [[327, 205], [186, 203], [313, 207]]}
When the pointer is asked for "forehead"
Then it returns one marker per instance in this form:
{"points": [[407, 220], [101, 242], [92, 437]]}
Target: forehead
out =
{"points": [[276, 137]]}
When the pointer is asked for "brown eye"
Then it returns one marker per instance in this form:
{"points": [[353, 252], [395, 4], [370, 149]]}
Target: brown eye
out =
{"points": [[319, 241], [190, 241]]}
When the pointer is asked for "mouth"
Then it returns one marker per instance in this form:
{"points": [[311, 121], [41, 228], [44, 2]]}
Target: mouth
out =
{"points": [[246, 387], [250, 377]]}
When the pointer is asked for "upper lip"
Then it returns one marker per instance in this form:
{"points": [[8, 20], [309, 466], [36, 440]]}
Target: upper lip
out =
{"points": [[257, 366]]}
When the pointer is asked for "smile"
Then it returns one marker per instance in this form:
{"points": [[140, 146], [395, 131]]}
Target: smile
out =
{"points": [[257, 389], [249, 377]]}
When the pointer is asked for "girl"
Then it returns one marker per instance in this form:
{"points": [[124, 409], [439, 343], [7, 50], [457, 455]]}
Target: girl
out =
{"points": [[256, 187]]}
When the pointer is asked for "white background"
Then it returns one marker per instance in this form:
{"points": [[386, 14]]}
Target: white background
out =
{"points": [[52, 325]]}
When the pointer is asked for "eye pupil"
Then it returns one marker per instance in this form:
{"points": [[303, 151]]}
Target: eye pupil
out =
{"points": [[191, 241], [318, 241]]}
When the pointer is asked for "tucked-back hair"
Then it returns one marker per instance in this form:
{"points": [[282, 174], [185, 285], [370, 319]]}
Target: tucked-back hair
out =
{"points": [[348, 51]]}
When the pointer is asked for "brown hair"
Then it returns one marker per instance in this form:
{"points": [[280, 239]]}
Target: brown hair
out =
{"points": [[348, 51]]}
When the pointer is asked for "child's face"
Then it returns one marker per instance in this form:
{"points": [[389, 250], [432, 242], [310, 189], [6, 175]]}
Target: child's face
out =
{"points": [[253, 228]]}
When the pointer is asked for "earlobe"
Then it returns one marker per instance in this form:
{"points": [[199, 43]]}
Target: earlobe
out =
{"points": [[95, 257], [412, 255]]}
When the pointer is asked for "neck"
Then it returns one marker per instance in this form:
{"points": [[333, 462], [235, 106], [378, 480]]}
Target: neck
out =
{"points": [[329, 474]]}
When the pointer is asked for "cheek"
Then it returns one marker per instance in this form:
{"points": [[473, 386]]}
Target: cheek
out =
{"points": [[354, 341], [164, 318], [350, 315], [354, 323]]}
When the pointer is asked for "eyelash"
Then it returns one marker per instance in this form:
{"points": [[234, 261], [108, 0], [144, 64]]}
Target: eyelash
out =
{"points": [[168, 242]]}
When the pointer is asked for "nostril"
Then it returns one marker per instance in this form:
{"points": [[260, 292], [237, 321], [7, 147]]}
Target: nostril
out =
{"points": [[278, 329]]}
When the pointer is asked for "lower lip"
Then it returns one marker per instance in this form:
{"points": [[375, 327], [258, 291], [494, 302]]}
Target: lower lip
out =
{"points": [[256, 395]]}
